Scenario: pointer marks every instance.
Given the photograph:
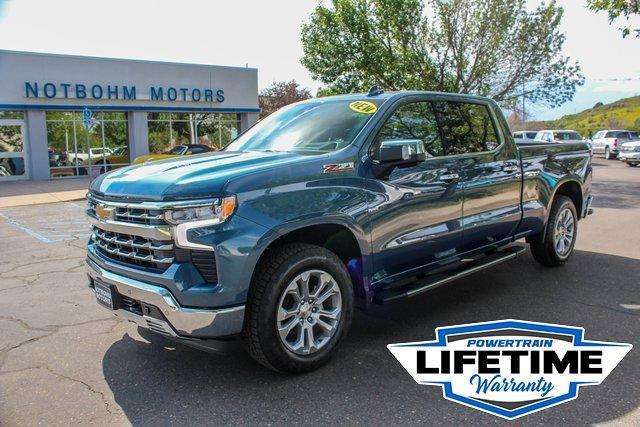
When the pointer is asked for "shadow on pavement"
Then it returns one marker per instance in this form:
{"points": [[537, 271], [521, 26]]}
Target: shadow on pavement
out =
{"points": [[163, 382], [616, 194]]}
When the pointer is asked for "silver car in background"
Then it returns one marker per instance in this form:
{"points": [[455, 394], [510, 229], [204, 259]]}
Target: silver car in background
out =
{"points": [[608, 142], [524, 136], [558, 136], [630, 153]]}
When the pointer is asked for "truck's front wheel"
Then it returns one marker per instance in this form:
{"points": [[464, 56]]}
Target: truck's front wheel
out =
{"points": [[560, 234], [299, 307]]}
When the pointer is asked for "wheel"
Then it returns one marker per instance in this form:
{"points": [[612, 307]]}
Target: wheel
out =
{"points": [[298, 309], [607, 153], [560, 234], [633, 165]]}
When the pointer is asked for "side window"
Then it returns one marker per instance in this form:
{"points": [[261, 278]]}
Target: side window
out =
{"points": [[415, 120], [466, 127]]}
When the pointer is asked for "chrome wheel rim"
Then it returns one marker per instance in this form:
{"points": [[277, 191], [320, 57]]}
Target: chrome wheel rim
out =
{"points": [[309, 312], [564, 232]]}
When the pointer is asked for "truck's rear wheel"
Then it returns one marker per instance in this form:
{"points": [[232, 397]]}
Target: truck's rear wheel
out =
{"points": [[560, 234], [299, 307]]}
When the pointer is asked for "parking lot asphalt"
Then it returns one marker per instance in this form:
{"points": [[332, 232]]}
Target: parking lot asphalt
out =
{"points": [[64, 360]]}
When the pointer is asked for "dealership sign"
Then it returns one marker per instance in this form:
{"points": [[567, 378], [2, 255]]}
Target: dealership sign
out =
{"points": [[510, 368], [51, 90]]}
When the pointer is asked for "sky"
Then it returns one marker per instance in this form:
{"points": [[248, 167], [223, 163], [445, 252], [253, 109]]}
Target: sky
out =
{"points": [[266, 35]]}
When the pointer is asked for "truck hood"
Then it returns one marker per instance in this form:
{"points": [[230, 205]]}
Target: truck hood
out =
{"points": [[191, 177]]}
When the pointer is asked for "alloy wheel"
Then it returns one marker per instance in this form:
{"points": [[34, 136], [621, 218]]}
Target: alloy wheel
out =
{"points": [[309, 312], [564, 232]]}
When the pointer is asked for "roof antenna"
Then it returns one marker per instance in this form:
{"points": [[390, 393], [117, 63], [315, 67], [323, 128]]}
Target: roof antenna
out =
{"points": [[375, 91]]}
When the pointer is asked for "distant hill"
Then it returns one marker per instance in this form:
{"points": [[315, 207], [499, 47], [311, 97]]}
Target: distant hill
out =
{"points": [[621, 114]]}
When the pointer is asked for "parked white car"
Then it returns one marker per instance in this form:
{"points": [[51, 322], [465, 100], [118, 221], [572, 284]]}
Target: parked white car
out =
{"points": [[608, 142], [95, 152], [524, 136], [630, 153], [558, 135]]}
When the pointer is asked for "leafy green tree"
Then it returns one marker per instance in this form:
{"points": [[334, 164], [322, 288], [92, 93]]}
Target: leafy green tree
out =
{"points": [[616, 9], [487, 47]]}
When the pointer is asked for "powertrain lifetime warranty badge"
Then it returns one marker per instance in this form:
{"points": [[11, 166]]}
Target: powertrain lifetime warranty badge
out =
{"points": [[510, 368]]}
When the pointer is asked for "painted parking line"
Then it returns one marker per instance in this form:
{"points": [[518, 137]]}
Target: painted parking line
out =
{"points": [[49, 223]]}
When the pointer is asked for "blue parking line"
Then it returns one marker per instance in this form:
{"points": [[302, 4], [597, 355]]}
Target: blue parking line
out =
{"points": [[27, 230]]}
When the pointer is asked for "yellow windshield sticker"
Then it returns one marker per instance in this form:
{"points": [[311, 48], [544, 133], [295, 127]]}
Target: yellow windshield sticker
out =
{"points": [[364, 107]]}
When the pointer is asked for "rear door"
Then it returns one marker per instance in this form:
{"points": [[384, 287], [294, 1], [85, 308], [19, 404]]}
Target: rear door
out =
{"points": [[490, 172]]}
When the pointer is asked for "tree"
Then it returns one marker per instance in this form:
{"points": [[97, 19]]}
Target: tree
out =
{"points": [[486, 47], [280, 94], [616, 9]]}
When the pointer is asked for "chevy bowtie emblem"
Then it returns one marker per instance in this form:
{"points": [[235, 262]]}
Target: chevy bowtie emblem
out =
{"points": [[104, 212]]}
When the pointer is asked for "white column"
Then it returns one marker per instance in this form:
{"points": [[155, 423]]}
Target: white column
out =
{"points": [[36, 129], [138, 134], [247, 120]]}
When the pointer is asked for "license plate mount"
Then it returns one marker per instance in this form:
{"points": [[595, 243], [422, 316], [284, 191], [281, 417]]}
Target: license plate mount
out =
{"points": [[106, 295]]}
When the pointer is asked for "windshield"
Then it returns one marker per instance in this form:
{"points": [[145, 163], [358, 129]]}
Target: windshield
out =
{"points": [[176, 150], [566, 136], [312, 127]]}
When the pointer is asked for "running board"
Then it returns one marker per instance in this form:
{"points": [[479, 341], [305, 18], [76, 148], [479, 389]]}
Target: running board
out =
{"points": [[439, 279]]}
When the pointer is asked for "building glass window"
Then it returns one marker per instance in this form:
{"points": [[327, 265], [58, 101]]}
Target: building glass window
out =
{"points": [[76, 150], [170, 130], [8, 114], [12, 149]]}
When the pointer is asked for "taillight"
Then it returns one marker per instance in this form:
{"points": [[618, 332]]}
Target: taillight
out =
{"points": [[615, 142]]}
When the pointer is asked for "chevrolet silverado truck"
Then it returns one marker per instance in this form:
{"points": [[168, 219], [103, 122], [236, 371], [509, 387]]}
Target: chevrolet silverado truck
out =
{"points": [[323, 206]]}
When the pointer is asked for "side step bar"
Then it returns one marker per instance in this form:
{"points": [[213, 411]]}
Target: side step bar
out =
{"points": [[439, 279]]}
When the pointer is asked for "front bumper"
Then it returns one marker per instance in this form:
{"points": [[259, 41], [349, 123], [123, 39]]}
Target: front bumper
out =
{"points": [[160, 312], [629, 156]]}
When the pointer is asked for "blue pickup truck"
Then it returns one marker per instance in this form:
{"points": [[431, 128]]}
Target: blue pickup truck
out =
{"points": [[325, 206]]}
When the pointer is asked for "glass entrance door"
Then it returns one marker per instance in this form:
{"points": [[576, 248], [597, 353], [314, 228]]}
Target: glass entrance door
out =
{"points": [[13, 155]]}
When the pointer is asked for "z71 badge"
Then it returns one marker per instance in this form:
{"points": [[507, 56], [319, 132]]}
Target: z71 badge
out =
{"points": [[337, 167], [510, 368]]}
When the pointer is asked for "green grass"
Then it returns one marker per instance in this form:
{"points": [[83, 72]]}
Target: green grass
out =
{"points": [[621, 114]]}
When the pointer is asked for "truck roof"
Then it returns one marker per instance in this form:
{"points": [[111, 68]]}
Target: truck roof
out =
{"points": [[403, 93]]}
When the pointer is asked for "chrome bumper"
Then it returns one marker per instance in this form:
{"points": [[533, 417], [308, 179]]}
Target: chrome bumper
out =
{"points": [[181, 322]]}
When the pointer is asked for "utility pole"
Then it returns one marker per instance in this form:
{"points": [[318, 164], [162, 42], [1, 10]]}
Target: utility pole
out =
{"points": [[524, 113]]}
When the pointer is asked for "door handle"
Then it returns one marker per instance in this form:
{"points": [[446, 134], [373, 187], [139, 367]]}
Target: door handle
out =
{"points": [[449, 177]]}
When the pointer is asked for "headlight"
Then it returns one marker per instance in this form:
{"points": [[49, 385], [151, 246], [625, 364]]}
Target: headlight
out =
{"points": [[219, 210]]}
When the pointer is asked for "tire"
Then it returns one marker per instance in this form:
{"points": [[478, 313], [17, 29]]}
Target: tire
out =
{"points": [[633, 165], [548, 252], [273, 288], [607, 153]]}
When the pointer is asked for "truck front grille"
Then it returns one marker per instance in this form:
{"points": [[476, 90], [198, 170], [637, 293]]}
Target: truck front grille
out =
{"points": [[135, 215], [134, 249]]}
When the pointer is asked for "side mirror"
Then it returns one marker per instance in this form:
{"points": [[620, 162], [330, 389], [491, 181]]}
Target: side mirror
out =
{"points": [[401, 152]]}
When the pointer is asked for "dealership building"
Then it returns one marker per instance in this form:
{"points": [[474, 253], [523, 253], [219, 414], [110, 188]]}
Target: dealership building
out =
{"points": [[64, 116]]}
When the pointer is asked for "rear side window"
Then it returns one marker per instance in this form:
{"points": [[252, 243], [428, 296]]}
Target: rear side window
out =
{"points": [[621, 135], [517, 135], [415, 120], [465, 127]]}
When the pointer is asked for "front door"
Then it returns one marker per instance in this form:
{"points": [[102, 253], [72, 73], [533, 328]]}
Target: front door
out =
{"points": [[415, 212], [13, 155]]}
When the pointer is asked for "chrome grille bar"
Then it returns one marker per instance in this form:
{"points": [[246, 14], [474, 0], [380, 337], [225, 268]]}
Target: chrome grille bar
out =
{"points": [[132, 254], [148, 245]]}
